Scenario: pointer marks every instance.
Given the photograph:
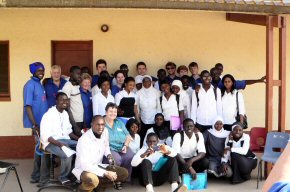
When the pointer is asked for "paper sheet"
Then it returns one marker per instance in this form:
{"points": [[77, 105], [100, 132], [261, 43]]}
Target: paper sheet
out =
{"points": [[69, 152]]}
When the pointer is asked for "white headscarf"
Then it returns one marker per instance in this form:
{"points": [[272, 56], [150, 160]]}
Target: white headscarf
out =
{"points": [[178, 83], [220, 134], [147, 91]]}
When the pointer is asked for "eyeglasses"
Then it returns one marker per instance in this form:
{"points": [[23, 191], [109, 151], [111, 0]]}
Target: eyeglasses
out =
{"points": [[206, 77]]}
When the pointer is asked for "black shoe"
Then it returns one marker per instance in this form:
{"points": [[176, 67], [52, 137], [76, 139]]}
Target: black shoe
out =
{"points": [[33, 181], [66, 183], [42, 183]]}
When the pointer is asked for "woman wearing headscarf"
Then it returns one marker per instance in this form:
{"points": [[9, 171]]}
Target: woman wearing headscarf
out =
{"points": [[161, 130], [177, 88], [237, 155], [148, 105], [214, 140]]}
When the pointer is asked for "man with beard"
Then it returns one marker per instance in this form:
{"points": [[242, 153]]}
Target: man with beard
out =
{"points": [[92, 147]]}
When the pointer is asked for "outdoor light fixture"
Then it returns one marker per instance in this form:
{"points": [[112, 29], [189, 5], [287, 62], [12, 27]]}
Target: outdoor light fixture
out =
{"points": [[104, 28]]}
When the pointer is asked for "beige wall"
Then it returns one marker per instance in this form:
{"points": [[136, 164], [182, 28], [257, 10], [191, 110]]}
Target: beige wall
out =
{"points": [[154, 36]]}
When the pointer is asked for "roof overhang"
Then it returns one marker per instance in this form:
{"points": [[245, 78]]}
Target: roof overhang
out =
{"points": [[242, 6]]}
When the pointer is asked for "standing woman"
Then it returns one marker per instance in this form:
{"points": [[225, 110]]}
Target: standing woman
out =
{"points": [[119, 138], [170, 105], [148, 104], [102, 98], [229, 102], [86, 96], [177, 89], [126, 100], [120, 77], [237, 155]]}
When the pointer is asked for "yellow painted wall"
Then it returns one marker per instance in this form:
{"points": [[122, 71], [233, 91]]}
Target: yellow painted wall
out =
{"points": [[153, 36]]}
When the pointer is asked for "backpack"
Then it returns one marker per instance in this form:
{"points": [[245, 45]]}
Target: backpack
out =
{"points": [[182, 137], [177, 101]]}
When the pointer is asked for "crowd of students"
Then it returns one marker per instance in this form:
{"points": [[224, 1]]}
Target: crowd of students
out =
{"points": [[119, 122]]}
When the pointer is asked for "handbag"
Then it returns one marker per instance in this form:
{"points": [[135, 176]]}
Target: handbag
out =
{"points": [[198, 184], [245, 123]]}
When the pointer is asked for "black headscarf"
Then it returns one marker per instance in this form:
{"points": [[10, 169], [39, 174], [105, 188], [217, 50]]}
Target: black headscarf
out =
{"points": [[161, 131]]}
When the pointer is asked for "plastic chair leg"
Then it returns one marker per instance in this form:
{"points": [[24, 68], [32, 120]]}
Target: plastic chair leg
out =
{"points": [[6, 177], [14, 169], [260, 171], [258, 175]]}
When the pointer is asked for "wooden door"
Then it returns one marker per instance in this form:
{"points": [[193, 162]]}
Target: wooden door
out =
{"points": [[70, 53]]}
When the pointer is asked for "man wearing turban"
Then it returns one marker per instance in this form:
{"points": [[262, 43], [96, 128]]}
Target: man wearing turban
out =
{"points": [[35, 105]]}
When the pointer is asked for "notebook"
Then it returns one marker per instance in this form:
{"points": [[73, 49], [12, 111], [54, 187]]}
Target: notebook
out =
{"points": [[199, 183], [175, 123]]}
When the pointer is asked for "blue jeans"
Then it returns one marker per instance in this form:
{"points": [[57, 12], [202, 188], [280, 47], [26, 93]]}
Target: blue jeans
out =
{"points": [[65, 167]]}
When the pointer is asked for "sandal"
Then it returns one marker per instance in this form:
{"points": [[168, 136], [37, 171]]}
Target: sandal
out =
{"points": [[118, 185]]}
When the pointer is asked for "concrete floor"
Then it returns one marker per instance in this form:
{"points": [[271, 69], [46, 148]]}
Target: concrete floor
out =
{"points": [[214, 185]]}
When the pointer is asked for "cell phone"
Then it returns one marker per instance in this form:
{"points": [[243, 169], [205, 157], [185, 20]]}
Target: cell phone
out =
{"points": [[156, 148]]}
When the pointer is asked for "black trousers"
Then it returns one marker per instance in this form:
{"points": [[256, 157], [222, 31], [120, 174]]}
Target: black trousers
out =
{"points": [[242, 167], [202, 128], [172, 132], [199, 166], [169, 172], [143, 131]]}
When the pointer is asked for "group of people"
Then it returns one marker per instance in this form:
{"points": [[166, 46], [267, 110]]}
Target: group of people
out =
{"points": [[118, 122]]}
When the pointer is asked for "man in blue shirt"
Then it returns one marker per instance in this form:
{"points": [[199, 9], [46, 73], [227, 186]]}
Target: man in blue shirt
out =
{"points": [[53, 85], [35, 105], [240, 84], [171, 70], [101, 65]]}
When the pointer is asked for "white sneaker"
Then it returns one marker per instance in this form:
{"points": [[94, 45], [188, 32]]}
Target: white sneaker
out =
{"points": [[149, 188], [2, 170]]}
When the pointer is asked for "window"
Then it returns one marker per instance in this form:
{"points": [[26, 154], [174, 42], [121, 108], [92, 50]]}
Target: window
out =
{"points": [[4, 71]]}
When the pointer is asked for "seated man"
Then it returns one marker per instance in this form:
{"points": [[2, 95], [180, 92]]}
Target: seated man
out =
{"points": [[91, 148], [154, 172], [56, 133], [190, 148]]}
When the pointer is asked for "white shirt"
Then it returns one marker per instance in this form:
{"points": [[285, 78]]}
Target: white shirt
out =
{"points": [[54, 124], [125, 94], [96, 90], [76, 104], [185, 100], [236, 147], [156, 85], [100, 102], [190, 146], [229, 106], [153, 158], [167, 141], [90, 153], [134, 145], [189, 91], [169, 107], [208, 109], [148, 102]]}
